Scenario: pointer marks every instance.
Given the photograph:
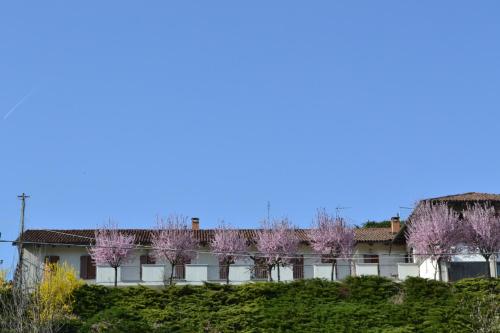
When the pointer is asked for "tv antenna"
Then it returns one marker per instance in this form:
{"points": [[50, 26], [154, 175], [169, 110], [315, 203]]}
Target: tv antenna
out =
{"points": [[268, 211], [338, 209], [405, 207]]}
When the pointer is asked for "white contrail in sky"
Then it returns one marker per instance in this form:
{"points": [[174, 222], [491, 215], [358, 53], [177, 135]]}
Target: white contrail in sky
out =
{"points": [[21, 101]]}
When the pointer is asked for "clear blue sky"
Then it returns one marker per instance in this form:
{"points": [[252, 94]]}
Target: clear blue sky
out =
{"points": [[207, 108]]}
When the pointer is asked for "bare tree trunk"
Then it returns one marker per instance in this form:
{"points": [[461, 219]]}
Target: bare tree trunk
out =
{"points": [[278, 271], [172, 266], [116, 276], [334, 271], [269, 271], [488, 268], [439, 269], [24, 311], [227, 273]]}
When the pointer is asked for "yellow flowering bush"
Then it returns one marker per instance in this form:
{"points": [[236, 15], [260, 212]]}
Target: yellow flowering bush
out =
{"points": [[55, 291]]}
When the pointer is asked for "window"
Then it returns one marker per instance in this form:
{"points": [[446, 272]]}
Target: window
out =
{"points": [[260, 268], [223, 273], [51, 259], [370, 258], [87, 268], [298, 268], [326, 259], [180, 270], [146, 260]]}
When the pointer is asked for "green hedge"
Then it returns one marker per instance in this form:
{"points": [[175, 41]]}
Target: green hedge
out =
{"points": [[361, 304]]}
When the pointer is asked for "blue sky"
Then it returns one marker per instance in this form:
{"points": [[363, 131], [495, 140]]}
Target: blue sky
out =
{"points": [[211, 109]]}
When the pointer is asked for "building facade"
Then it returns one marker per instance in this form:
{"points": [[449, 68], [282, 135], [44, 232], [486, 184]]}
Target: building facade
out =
{"points": [[377, 252], [466, 264]]}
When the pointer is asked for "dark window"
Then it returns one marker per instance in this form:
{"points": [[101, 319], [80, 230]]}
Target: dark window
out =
{"points": [[87, 268], [298, 268], [51, 259], [223, 269], [326, 259], [370, 258], [260, 268], [147, 260], [180, 270]]}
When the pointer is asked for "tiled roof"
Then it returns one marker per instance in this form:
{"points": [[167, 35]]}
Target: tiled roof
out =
{"points": [[374, 234], [469, 196], [143, 236]]}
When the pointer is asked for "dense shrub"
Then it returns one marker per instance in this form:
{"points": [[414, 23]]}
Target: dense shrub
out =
{"points": [[362, 304], [370, 289], [422, 290]]}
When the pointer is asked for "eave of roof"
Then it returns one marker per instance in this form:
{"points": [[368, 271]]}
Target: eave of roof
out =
{"points": [[468, 196], [143, 236]]}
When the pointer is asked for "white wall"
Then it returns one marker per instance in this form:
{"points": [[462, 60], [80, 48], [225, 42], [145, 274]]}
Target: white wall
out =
{"points": [[34, 258], [406, 270], [389, 256], [239, 273], [154, 273], [428, 267], [286, 273], [158, 274], [366, 269]]}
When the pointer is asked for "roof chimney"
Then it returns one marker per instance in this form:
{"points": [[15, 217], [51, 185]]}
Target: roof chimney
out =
{"points": [[195, 223], [395, 224]]}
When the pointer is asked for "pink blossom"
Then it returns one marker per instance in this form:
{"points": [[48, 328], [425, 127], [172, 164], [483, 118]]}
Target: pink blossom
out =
{"points": [[434, 232], [173, 242], [112, 247], [482, 230], [331, 238], [276, 243], [227, 245]]}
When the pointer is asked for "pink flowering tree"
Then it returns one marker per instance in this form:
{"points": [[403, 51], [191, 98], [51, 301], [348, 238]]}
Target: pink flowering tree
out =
{"points": [[277, 242], [173, 242], [482, 234], [331, 238], [111, 247], [227, 245], [434, 232]]}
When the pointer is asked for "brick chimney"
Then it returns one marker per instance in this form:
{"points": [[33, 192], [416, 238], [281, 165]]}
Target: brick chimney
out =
{"points": [[195, 223], [395, 224]]}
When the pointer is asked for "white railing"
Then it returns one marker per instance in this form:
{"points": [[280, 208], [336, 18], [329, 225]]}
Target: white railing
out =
{"points": [[154, 273], [286, 273], [406, 270], [366, 269], [323, 271], [106, 275], [130, 273], [196, 273], [240, 273], [157, 274]]}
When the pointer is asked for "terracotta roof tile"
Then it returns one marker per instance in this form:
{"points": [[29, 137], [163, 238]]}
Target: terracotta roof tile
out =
{"points": [[143, 236], [469, 196]]}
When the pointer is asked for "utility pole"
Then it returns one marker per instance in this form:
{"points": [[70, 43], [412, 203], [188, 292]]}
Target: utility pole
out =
{"points": [[23, 198]]}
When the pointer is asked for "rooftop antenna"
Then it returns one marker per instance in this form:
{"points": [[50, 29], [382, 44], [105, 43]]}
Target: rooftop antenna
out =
{"points": [[338, 209], [268, 211], [404, 207]]}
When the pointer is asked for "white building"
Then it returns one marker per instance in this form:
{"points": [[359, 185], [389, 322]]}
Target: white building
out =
{"points": [[378, 252], [465, 264]]}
